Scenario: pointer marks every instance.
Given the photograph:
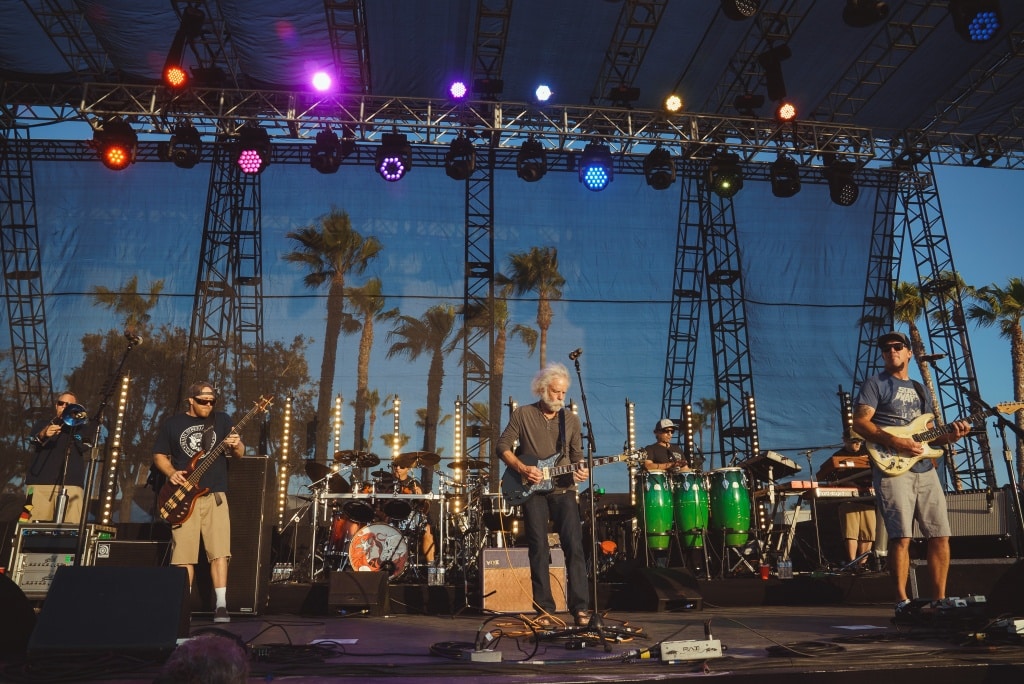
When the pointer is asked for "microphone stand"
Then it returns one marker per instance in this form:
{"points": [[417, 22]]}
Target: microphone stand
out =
{"points": [[596, 624], [97, 421], [1005, 424]]}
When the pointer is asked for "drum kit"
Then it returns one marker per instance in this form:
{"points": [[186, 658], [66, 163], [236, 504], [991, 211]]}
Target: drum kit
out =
{"points": [[691, 506], [373, 521]]}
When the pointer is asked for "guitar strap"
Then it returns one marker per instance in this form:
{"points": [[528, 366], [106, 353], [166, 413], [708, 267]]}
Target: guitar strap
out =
{"points": [[920, 395]]}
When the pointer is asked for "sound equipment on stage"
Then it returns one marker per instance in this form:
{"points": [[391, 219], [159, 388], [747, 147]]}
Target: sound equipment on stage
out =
{"points": [[113, 610], [665, 589], [250, 495], [769, 466], [506, 584], [18, 621], [135, 554], [982, 527], [351, 591], [41, 548]]}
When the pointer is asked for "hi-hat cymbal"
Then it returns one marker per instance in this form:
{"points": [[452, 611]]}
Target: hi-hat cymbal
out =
{"points": [[382, 474], [469, 464], [411, 459]]}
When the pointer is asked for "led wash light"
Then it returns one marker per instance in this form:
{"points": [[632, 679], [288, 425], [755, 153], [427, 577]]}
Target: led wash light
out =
{"points": [[116, 144], [595, 168], [394, 157], [252, 151]]}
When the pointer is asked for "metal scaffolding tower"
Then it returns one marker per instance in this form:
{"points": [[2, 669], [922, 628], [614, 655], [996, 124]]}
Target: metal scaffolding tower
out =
{"points": [[23, 276]]}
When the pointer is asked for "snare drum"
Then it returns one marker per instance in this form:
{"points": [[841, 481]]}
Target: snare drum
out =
{"points": [[690, 501], [730, 505], [379, 547], [657, 510]]}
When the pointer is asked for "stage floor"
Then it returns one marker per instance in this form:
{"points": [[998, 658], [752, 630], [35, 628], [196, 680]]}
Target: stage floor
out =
{"points": [[848, 641]]}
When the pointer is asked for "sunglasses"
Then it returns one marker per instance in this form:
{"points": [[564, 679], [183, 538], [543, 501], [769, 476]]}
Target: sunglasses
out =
{"points": [[897, 346], [204, 402], [667, 430], [62, 403]]}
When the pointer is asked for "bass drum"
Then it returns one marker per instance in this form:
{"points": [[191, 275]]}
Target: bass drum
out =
{"points": [[730, 505], [379, 548]]}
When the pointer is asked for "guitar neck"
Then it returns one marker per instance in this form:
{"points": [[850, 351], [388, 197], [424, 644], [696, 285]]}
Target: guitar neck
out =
{"points": [[940, 430], [555, 471]]}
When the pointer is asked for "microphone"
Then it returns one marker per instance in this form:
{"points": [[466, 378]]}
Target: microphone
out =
{"points": [[573, 355], [132, 337], [931, 358]]}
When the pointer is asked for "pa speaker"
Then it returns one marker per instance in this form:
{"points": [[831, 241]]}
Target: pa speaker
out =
{"points": [[666, 589], [352, 591], [107, 610], [18, 620]]}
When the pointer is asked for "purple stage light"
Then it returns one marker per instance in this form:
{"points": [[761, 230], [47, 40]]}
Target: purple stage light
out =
{"points": [[458, 90], [322, 81]]}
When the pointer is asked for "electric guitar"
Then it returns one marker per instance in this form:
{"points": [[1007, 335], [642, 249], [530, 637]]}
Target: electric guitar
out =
{"points": [[177, 501], [517, 488], [893, 462]]}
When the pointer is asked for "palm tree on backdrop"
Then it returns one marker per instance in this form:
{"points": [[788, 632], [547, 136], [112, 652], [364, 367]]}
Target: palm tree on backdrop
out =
{"points": [[1004, 307], [427, 335], [329, 251], [709, 411], [368, 304], [372, 403], [535, 271], [491, 422], [128, 302]]}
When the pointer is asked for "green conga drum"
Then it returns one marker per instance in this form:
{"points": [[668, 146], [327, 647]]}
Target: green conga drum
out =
{"points": [[690, 501], [657, 510], [730, 505]]}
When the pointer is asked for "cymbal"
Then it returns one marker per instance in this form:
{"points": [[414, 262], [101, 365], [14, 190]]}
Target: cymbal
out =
{"points": [[336, 484], [413, 458], [367, 460], [469, 464], [382, 474], [347, 456], [317, 471]]}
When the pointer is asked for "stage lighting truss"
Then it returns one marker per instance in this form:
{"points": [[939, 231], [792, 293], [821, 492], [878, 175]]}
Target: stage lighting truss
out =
{"points": [[116, 144], [738, 10], [460, 160], [394, 157], [175, 75], [659, 168], [185, 147], [842, 188], [252, 150], [532, 161], [595, 169], [785, 177], [725, 177], [861, 13], [329, 151], [976, 20]]}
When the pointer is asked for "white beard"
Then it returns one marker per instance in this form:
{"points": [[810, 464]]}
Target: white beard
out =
{"points": [[553, 405]]}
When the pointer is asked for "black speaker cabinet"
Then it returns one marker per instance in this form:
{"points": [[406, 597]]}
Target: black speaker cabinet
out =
{"points": [[18, 619], [506, 584], [133, 554], [108, 610], [353, 591], [666, 589], [250, 494]]}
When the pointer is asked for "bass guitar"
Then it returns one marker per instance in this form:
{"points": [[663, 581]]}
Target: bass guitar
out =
{"points": [[893, 462], [516, 488], [177, 501]]}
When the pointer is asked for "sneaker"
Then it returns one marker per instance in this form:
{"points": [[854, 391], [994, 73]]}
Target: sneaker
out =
{"points": [[545, 623], [221, 615], [903, 608], [582, 618]]}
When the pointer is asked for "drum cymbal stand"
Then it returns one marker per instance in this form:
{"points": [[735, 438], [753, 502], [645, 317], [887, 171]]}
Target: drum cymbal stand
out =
{"points": [[294, 523]]}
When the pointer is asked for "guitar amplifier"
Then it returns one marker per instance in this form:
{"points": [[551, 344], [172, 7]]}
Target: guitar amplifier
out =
{"points": [[973, 514], [506, 584]]}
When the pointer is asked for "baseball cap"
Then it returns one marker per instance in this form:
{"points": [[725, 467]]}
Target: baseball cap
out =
{"points": [[664, 424], [892, 337]]}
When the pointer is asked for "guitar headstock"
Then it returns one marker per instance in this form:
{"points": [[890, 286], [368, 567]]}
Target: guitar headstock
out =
{"points": [[263, 403], [1010, 406]]}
